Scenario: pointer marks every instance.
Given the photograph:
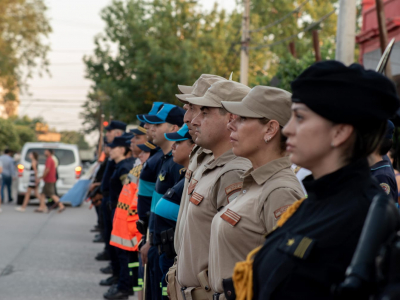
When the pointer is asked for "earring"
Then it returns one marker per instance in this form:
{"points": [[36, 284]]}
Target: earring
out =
{"points": [[267, 140], [332, 145]]}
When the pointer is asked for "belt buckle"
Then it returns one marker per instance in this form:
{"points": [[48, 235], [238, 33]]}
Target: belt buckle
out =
{"points": [[183, 293]]}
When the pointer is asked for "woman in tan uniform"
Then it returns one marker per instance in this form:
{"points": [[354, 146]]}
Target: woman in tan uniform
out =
{"points": [[269, 187]]}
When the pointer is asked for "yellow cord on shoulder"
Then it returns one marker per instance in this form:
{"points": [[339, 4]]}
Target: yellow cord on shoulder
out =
{"points": [[243, 273]]}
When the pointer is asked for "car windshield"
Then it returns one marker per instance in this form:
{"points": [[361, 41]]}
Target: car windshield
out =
{"points": [[65, 157]]}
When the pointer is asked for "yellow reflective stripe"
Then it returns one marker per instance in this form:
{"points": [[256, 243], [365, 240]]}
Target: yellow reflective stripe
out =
{"points": [[133, 265], [164, 291], [137, 289]]}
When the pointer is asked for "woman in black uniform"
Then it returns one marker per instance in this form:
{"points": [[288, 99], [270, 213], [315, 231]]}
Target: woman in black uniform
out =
{"points": [[339, 117]]}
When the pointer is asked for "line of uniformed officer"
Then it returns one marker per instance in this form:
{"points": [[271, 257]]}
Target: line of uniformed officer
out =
{"points": [[237, 185]]}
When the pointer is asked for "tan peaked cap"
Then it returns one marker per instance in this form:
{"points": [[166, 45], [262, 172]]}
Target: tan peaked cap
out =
{"points": [[263, 102], [221, 91], [187, 89], [202, 85]]}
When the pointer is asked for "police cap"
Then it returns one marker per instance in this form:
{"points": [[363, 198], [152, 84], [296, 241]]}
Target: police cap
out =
{"points": [[349, 95], [116, 125]]}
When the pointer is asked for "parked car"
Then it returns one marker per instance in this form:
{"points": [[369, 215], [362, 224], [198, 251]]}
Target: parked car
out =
{"points": [[69, 168]]}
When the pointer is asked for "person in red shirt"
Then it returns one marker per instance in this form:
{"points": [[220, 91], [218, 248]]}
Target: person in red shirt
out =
{"points": [[49, 178]]}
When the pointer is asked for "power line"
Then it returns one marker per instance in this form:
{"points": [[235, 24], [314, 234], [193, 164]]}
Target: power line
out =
{"points": [[56, 100], [67, 64], [62, 87], [308, 28], [71, 51], [296, 10]]}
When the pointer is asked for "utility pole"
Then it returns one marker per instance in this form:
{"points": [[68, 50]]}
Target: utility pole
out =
{"points": [[244, 53], [316, 45], [346, 31], [383, 37]]}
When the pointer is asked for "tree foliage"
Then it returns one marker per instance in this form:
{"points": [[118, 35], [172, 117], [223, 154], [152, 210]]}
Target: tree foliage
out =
{"points": [[23, 28], [9, 138], [150, 47], [290, 68], [74, 137]]}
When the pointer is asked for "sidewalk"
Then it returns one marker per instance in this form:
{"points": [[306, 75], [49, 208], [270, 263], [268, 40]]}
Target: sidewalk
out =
{"points": [[49, 256]]}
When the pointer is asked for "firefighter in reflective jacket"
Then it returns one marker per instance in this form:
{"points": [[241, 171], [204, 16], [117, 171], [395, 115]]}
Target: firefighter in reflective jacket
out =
{"points": [[125, 234]]}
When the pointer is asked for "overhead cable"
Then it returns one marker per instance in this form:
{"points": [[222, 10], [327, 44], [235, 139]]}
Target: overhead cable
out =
{"points": [[308, 28], [296, 10]]}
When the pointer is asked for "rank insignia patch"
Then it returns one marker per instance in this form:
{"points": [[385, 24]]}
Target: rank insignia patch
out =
{"points": [[297, 245], [231, 217], [385, 187], [196, 199]]}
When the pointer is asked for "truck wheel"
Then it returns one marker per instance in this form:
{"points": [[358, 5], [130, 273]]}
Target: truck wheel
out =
{"points": [[20, 199]]}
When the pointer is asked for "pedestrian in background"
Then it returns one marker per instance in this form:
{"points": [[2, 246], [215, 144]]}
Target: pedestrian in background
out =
{"points": [[7, 174], [1, 170], [49, 178], [33, 181]]}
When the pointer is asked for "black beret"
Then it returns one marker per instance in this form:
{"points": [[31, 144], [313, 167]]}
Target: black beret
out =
{"points": [[350, 95]]}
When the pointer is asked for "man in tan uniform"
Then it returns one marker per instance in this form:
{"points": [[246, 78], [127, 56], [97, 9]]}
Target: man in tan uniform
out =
{"points": [[210, 190], [199, 156]]}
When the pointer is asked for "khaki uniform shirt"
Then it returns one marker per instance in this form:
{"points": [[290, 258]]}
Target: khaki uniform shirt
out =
{"points": [[198, 159], [241, 226], [219, 184]]}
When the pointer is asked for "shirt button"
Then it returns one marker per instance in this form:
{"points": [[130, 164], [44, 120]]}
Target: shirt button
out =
{"points": [[244, 191], [229, 293]]}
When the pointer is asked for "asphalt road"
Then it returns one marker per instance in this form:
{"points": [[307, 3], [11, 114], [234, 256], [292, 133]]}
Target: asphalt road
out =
{"points": [[49, 256]]}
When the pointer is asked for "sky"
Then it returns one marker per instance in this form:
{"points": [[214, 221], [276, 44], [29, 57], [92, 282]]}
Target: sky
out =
{"points": [[58, 97]]}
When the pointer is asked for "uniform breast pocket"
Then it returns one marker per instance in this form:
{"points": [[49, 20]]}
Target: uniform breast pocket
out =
{"points": [[297, 245]]}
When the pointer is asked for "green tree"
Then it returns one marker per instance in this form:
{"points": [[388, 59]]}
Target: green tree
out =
{"points": [[150, 47], [9, 138], [25, 134], [290, 68], [160, 44], [23, 29], [74, 137]]}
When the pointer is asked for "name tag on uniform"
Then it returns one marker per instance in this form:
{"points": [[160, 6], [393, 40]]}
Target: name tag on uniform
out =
{"points": [[188, 175], [231, 217], [196, 199], [233, 191], [192, 186]]}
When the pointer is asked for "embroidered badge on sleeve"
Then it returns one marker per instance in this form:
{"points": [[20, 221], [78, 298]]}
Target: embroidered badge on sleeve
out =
{"points": [[280, 211], [385, 187]]}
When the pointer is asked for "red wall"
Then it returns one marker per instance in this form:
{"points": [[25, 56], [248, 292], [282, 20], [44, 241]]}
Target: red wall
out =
{"points": [[368, 38]]}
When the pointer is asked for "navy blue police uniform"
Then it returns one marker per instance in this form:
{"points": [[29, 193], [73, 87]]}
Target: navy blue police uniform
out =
{"points": [[166, 215], [383, 173], [105, 207], [168, 176]]}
